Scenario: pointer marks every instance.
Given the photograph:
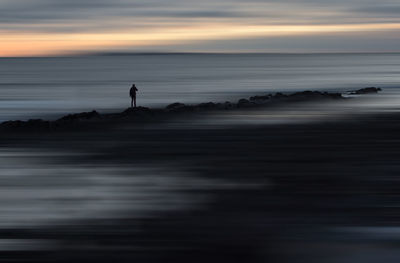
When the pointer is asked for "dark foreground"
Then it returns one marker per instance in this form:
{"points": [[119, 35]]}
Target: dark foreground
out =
{"points": [[326, 191]]}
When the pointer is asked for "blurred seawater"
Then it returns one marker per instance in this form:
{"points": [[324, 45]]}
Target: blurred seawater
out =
{"points": [[299, 182], [36, 87]]}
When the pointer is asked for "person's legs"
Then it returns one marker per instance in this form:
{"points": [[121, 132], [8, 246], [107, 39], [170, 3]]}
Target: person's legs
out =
{"points": [[134, 99], [131, 102]]}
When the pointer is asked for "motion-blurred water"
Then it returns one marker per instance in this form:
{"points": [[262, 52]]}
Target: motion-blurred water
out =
{"points": [[265, 185], [38, 87]]}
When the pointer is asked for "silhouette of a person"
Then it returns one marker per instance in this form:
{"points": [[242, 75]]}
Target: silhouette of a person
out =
{"points": [[132, 93]]}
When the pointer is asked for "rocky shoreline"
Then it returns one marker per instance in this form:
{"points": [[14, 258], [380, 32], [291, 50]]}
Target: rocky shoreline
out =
{"points": [[86, 119]]}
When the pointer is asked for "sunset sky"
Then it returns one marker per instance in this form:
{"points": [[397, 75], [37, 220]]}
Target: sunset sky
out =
{"points": [[52, 27]]}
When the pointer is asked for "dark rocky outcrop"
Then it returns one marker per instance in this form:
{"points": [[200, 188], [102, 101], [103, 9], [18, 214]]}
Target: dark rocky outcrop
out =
{"points": [[306, 95], [243, 103], [208, 105], [369, 90], [136, 112], [81, 116], [94, 119], [260, 98], [179, 107], [175, 105], [280, 96], [26, 126], [298, 96], [227, 105]]}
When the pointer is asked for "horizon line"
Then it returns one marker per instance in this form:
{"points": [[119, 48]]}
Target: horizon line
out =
{"points": [[139, 53]]}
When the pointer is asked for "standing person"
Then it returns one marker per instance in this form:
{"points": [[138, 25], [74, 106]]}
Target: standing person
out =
{"points": [[132, 93]]}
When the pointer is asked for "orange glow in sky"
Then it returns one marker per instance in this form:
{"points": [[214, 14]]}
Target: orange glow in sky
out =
{"points": [[37, 44]]}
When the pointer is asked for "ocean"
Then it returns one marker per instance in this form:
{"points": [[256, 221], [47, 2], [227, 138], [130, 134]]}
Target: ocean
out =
{"points": [[208, 184], [49, 87]]}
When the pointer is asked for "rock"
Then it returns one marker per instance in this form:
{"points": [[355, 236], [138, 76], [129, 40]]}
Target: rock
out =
{"points": [[208, 105], [279, 96], [180, 107], [260, 98], [29, 126], [138, 111], [37, 124], [368, 90], [244, 103], [227, 105], [306, 95], [175, 106], [11, 125], [80, 116], [333, 95]]}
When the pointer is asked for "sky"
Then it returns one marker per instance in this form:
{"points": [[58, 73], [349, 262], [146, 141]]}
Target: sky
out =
{"points": [[54, 27]]}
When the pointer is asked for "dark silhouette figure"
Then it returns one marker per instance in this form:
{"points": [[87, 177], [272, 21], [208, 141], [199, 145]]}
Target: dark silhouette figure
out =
{"points": [[132, 93]]}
